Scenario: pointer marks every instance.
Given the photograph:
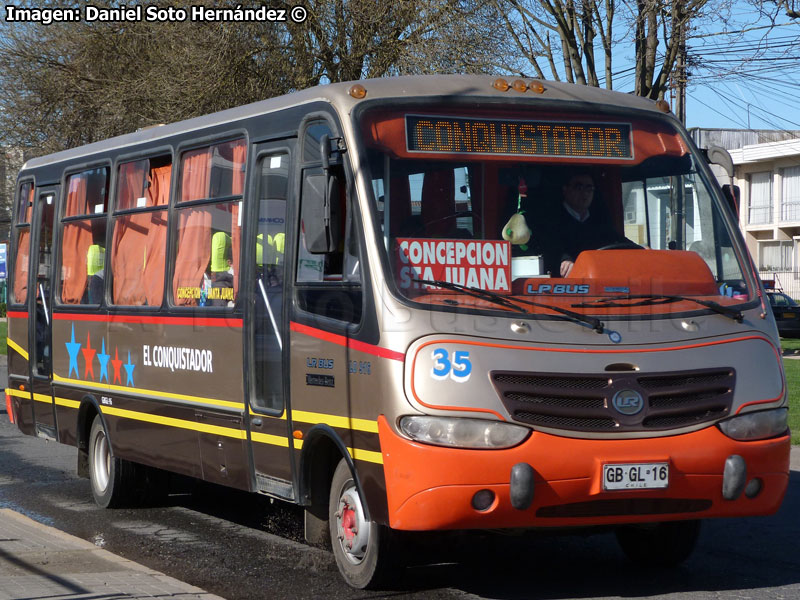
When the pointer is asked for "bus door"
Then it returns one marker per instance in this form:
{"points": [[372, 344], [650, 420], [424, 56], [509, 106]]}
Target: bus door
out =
{"points": [[40, 308], [270, 423]]}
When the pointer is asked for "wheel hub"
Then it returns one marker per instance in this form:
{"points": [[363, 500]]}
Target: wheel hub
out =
{"points": [[352, 528]]}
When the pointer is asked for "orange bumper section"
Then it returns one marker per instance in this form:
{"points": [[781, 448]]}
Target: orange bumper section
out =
{"points": [[431, 488]]}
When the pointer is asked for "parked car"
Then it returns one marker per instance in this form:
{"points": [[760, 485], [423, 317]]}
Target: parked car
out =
{"points": [[787, 314]]}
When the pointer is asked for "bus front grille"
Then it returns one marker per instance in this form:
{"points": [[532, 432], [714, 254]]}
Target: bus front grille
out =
{"points": [[587, 402]]}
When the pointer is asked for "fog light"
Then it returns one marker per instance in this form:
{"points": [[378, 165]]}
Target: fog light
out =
{"points": [[753, 487], [483, 500]]}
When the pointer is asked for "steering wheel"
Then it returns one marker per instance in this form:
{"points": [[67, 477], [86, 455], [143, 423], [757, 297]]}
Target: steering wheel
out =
{"points": [[626, 245]]}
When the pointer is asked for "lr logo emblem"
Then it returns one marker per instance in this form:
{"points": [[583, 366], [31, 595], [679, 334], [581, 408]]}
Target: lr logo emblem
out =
{"points": [[628, 402]]}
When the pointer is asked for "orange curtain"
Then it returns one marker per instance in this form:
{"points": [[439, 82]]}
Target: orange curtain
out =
{"points": [[194, 252], [155, 254], [194, 226], [21, 265], [156, 245], [129, 236], [196, 174], [76, 196], [75, 244], [127, 257], [158, 190], [239, 158], [25, 208], [131, 182]]}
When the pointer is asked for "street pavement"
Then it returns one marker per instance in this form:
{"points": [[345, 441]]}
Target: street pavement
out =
{"points": [[37, 561]]}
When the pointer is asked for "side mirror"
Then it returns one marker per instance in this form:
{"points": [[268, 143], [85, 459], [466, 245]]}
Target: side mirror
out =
{"points": [[321, 205], [718, 155]]}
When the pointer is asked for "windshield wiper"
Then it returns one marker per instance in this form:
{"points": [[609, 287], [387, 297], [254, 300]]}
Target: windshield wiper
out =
{"points": [[652, 299], [594, 323]]}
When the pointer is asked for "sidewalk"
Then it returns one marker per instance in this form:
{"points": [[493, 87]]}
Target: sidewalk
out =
{"points": [[37, 561]]}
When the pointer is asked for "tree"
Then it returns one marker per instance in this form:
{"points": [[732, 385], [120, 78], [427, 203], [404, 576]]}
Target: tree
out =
{"points": [[565, 33], [67, 84]]}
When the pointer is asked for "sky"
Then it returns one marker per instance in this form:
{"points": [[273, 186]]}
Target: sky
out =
{"points": [[744, 68], [745, 73]]}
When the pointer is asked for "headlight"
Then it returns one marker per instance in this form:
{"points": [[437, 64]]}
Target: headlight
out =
{"points": [[462, 433], [757, 425]]}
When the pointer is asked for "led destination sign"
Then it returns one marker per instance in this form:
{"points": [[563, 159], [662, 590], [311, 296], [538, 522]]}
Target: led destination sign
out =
{"points": [[454, 135]]}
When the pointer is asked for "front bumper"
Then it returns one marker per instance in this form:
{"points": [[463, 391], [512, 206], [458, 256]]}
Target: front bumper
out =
{"points": [[431, 488]]}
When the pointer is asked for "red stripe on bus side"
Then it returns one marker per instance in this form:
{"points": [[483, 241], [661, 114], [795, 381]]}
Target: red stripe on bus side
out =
{"points": [[205, 321], [14, 314], [344, 341]]}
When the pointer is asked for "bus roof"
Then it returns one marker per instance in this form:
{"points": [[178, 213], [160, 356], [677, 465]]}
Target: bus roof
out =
{"points": [[338, 95]]}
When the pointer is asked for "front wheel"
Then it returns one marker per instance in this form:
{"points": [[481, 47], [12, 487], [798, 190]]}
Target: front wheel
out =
{"points": [[361, 547], [113, 479], [659, 544]]}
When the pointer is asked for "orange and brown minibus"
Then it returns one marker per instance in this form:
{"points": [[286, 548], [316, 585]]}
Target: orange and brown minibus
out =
{"points": [[352, 298]]}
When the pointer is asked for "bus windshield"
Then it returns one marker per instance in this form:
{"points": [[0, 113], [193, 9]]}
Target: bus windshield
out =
{"points": [[562, 206]]}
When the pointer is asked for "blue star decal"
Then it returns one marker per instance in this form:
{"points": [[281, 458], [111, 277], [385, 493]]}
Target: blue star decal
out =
{"points": [[129, 367], [103, 358], [73, 348]]}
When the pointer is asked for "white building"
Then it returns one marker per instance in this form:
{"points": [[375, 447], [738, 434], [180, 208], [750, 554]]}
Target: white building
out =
{"points": [[767, 172], [768, 176]]}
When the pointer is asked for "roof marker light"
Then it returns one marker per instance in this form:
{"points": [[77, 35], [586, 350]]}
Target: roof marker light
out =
{"points": [[519, 85], [536, 86], [358, 91], [501, 84]]}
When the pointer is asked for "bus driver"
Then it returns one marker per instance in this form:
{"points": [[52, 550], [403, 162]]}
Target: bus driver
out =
{"points": [[573, 227]]}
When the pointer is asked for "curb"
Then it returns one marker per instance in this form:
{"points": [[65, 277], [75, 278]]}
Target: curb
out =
{"points": [[40, 561]]}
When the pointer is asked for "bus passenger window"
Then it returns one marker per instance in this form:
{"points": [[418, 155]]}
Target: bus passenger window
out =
{"points": [[139, 237], [209, 229], [84, 237], [23, 241]]}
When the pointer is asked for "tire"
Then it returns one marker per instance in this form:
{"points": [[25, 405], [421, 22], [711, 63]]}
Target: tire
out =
{"points": [[362, 548], [659, 544], [114, 480]]}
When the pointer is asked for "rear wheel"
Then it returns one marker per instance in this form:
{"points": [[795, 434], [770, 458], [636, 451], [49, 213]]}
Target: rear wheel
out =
{"points": [[659, 544], [113, 480], [361, 547]]}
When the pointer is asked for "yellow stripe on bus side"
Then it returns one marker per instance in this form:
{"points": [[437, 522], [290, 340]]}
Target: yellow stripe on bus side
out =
{"points": [[273, 440], [44, 398], [133, 390], [68, 403], [302, 416], [366, 455], [171, 422], [261, 438], [22, 352], [312, 418], [356, 453]]}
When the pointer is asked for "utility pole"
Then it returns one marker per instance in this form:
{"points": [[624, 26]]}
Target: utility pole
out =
{"points": [[681, 75]]}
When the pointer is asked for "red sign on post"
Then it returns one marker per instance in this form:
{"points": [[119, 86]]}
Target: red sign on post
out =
{"points": [[480, 264]]}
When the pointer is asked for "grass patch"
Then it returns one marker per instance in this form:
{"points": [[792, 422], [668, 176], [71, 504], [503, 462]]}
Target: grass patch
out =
{"points": [[792, 368], [3, 336]]}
